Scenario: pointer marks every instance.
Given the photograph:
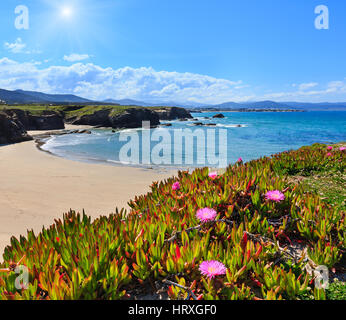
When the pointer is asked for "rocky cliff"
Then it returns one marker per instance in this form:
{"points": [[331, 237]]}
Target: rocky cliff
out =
{"points": [[48, 120], [98, 118], [14, 122], [12, 130], [129, 118], [173, 113], [133, 118]]}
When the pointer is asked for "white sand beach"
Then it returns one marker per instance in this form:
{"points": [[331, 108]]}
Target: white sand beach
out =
{"points": [[36, 188]]}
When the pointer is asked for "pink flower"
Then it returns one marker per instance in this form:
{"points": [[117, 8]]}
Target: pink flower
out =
{"points": [[212, 268], [275, 195], [240, 160], [329, 154], [206, 214], [176, 186], [329, 148], [213, 175], [342, 148]]}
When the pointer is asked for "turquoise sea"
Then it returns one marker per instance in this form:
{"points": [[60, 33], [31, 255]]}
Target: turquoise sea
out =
{"points": [[250, 135]]}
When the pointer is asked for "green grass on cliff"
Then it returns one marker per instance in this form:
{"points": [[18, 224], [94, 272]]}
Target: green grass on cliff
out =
{"points": [[68, 111], [33, 109], [88, 110], [72, 112]]}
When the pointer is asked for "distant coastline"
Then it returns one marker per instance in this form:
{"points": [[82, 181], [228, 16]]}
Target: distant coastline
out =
{"points": [[243, 110]]}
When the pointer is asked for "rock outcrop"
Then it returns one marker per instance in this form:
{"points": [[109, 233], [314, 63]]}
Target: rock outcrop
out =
{"points": [[129, 118], [219, 115], [12, 130], [173, 113], [48, 120], [99, 118], [15, 122], [133, 118]]}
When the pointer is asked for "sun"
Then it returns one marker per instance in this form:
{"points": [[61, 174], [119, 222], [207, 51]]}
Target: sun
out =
{"points": [[66, 12]]}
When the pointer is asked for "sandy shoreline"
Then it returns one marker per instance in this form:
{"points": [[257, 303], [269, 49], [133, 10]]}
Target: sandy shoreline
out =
{"points": [[36, 133], [37, 188]]}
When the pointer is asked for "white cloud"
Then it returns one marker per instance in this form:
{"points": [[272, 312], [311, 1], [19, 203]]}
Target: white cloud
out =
{"points": [[333, 91], [74, 57], [17, 47], [306, 86], [94, 82], [335, 86]]}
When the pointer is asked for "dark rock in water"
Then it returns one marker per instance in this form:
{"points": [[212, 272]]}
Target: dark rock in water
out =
{"points": [[206, 117], [80, 131], [12, 130], [219, 115], [184, 119], [204, 124], [48, 120], [133, 118], [113, 131], [173, 113], [238, 125], [166, 124]]}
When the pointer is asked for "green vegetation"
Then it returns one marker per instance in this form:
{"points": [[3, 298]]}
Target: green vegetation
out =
{"points": [[336, 291], [324, 180], [88, 110], [68, 111], [34, 109], [331, 188], [265, 245]]}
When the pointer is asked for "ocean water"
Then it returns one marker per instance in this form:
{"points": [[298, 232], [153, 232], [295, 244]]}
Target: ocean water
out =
{"points": [[248, 135]]}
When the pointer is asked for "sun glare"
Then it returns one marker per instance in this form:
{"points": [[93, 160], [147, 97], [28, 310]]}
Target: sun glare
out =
{"points": [[66, 12]]}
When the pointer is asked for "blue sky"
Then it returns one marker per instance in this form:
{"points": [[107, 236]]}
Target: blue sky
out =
{"points": [[196, 50]]}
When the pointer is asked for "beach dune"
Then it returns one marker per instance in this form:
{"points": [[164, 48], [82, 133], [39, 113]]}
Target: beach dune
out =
{"points": [[36, 188]]}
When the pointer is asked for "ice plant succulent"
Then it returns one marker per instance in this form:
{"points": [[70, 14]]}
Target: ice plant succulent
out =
{"points": [[176, 186], [206, 215], [329, 154], [275, 195], [329, 148], [212, 268], [213, 175], [159, 238], [342, 148], [240, 160]]}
